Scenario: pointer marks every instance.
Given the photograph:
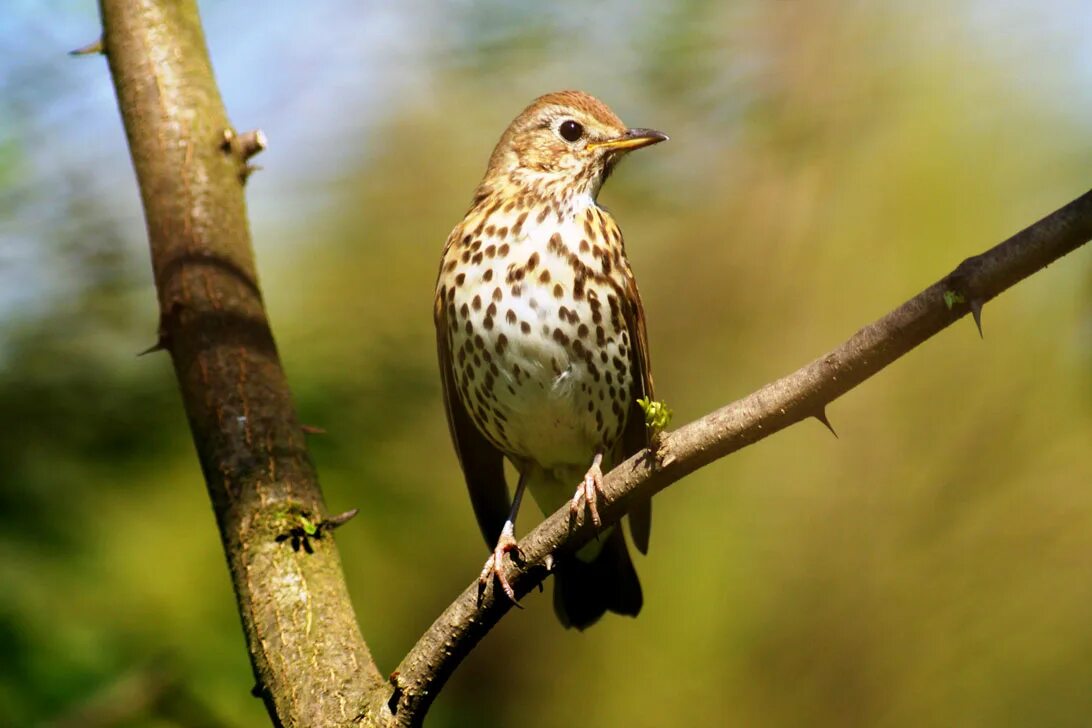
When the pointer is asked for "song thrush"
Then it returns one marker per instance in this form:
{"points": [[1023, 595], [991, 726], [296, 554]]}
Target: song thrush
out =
{"points": [[542, 343]]}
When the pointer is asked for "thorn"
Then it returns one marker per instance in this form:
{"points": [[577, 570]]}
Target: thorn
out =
{"points": [[821, 415], [340, 519], [976, 312], [91, 49], [159, 345], [312, 430], [248, 170]]}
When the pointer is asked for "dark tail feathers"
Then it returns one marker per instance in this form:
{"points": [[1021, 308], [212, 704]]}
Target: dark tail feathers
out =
{"points": [[584, 591]]}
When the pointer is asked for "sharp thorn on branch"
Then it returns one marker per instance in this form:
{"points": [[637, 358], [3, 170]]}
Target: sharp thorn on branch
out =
{"points": [[159, 345], [976, 312], [821, 415], [313, 430], [339, 520], [94, 48]]}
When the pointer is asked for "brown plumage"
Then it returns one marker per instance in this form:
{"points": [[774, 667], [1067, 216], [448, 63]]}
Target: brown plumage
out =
{"points": [[542, 344]]}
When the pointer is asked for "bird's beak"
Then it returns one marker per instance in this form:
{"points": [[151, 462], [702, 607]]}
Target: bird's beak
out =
{"points": [[632, 139]]}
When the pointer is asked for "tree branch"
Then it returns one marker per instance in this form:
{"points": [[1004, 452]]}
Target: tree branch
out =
{"points": [[802, 394], [311, 663]]}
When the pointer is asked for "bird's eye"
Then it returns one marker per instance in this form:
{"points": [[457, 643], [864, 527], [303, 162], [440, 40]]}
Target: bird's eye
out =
{"points": [[570, 130]]}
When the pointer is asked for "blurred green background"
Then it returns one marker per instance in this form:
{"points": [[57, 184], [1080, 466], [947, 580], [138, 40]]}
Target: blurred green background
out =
{"points": [[828, 160]]}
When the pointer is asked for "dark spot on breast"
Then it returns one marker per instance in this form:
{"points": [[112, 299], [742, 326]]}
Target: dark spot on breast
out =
{"points": [[543, 213], [450, 265], [517, 289], [584, 246], [555, 245], [578, 347], [477, 258], [532, 262], [476, 303], [582, 331], [525, 327], [488, 275], [558, 290], [464, 310], [492, 310], [465, 257], [510, 317], [491, 230], [600, 336], [502, 343], [544, 276], [519, 224], [490, 251], [503, 250], [560, 337], [497, 294], [588, 229], [502, 232], [488, 323]]}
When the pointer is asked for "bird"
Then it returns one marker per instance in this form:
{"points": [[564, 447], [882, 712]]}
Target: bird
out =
{"points": [[542, 345]]}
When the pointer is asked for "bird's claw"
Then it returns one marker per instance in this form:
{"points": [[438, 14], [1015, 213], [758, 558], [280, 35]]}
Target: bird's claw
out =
{"points": [[494, 566], [589, 491]]}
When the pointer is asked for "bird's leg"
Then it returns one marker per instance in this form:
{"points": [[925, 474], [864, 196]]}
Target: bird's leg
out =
{"points": [[494, 565], [589, 490]]}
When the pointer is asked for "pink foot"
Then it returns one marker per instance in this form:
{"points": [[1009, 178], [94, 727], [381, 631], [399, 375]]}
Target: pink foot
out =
{"points": [[589, 491], [494, 565]]}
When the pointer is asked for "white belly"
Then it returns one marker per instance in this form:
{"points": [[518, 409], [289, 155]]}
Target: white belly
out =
{"points": [[541, 372]]}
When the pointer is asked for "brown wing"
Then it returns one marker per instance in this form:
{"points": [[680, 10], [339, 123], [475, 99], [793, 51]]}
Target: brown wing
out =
{"points": [[482, 464], [635, 437]]}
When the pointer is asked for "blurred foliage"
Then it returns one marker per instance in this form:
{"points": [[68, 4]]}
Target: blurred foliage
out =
{"points": [[827, 161]]}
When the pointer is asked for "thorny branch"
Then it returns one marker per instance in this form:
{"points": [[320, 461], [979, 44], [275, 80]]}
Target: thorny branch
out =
{"points": [[312, 665], [804, 393]]}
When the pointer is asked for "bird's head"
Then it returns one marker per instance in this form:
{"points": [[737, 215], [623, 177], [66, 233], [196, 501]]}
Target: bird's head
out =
{"points": [[565, 144]]}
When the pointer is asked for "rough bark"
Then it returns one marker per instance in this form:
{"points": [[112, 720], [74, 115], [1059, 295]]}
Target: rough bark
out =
{"points": [[310, 660]]}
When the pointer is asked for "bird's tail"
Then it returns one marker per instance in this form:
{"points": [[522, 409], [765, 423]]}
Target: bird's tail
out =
{"points": [[584, 590]]}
